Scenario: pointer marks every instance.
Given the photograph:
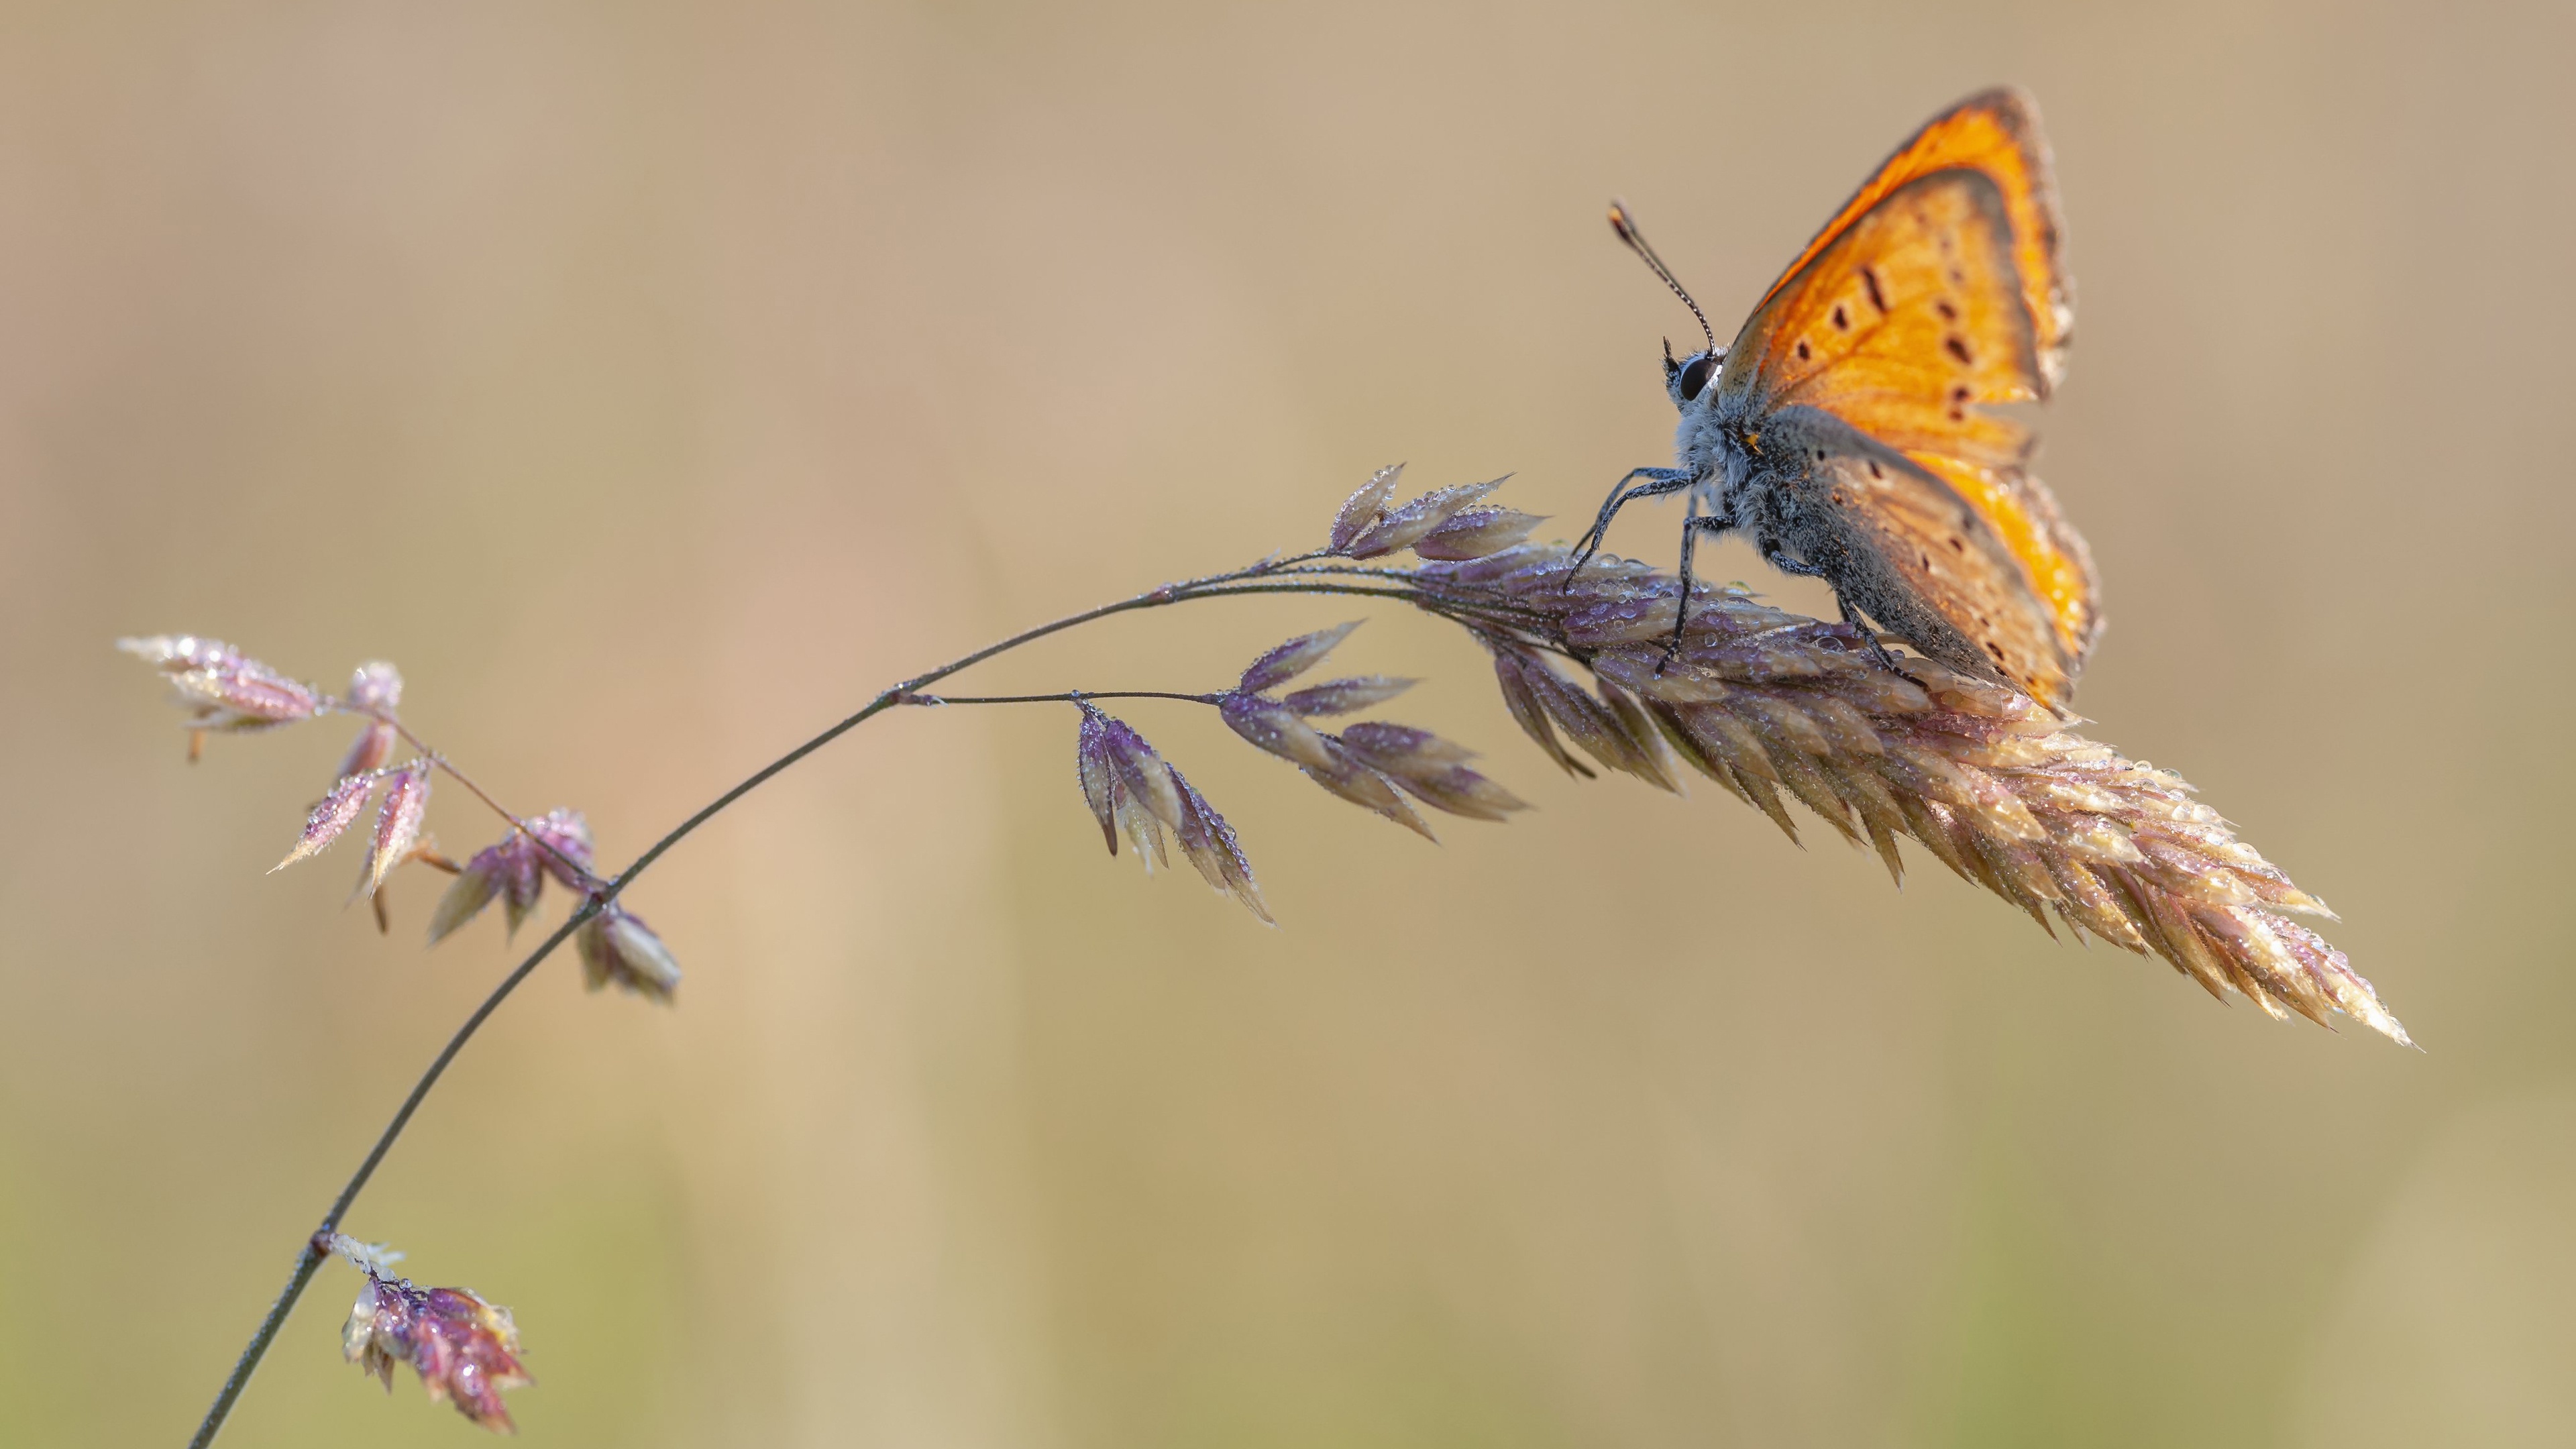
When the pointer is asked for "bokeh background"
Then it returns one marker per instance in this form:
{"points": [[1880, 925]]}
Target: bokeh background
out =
{"points": [[652, 383]]}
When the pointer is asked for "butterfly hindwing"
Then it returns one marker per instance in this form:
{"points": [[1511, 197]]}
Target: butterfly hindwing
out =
{"points": [[1925, 556]]}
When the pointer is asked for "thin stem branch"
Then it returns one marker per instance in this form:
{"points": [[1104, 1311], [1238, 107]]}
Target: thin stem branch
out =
{"points": [[1317, 567], [441, 761], [1468, 611], [309, 1258], [1070, 696]]}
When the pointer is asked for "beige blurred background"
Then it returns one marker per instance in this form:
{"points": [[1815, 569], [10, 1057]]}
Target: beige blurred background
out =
{"points": [[653, 383]]}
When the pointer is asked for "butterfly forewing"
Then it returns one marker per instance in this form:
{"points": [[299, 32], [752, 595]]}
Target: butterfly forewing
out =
{"points": [[1997, 133], [1904, 324]]}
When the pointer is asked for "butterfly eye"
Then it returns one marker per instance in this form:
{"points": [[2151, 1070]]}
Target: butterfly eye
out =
{"points": [[1695, 376]]}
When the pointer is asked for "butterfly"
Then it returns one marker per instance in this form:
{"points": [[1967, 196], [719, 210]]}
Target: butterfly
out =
{"points": [[1845, 430]]}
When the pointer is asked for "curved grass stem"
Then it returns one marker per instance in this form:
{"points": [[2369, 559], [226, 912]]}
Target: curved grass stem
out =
{"points": [[1263, 577]]}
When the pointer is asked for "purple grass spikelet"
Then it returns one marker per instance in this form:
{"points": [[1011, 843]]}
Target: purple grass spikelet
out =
{"points": [[331, 815], [618, 948], [223, 689], [1134, 792], [482, 881], [1402, 527], [1277, 666], [1127, 785], [1364, 509], [1279, 727], [1346, 696], [1144, 774], [522, 874], [1098, 776], [1512, 671], [1476, 533], [1271, 725], [1211, 847], [565, 835], [513, 871], [1147, 801], [1352, 779], [398, 822], [464, 1348], [1430, 769], [374, 688]]}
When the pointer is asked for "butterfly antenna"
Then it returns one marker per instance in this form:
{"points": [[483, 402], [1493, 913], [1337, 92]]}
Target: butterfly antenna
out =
{"points": [[1626, 226]]}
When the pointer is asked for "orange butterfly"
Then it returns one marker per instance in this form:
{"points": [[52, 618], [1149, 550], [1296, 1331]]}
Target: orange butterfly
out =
{"points": [[1844, 430]]}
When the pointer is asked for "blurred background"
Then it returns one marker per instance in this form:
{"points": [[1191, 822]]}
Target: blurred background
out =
{"points": [[654, 383]]}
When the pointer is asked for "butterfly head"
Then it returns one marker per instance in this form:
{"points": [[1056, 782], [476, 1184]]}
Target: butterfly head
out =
{"points": [[1688, 378]]}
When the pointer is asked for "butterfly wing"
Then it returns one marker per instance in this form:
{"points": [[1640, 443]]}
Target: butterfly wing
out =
{"points": [[1922, 553], [1936, 290], [1997, 133]]}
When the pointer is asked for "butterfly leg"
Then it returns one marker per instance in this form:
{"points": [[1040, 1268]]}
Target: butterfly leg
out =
{"points": [[1869, 635], [1777, 555], [1659, 481], [1692, 527]]}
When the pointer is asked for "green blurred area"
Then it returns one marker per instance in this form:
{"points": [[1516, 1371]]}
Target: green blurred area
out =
{"points": [[655, 383]]}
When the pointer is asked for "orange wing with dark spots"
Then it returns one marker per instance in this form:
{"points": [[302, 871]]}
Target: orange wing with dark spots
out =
{"points": [[1904, 325], [1935, 291], [1995, 132], [1941, 553]]}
